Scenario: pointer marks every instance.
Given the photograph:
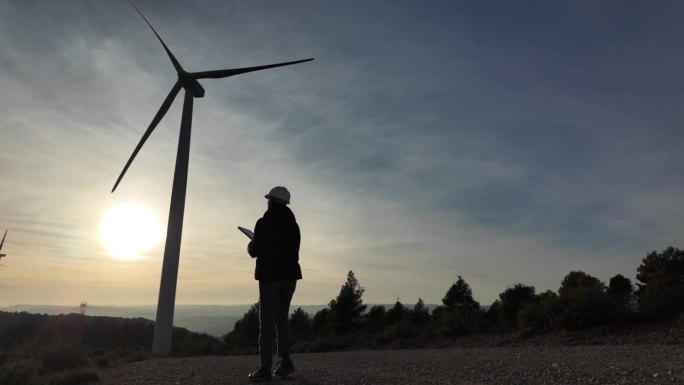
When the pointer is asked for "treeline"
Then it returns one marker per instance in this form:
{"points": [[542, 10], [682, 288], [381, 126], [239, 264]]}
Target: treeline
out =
{"points": [[582, 301], [33, 346]]}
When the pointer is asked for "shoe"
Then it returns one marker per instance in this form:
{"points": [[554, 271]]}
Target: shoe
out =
{"points": [[284, 368], [261, 375]]}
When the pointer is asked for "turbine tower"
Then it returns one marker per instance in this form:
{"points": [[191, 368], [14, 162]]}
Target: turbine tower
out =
{"points": [[189, 82], [2, 243]]}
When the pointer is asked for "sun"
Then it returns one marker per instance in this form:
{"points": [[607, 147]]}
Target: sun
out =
{"points": [[129, 230]]}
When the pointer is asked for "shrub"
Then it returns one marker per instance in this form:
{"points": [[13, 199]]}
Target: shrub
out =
{"points": [[540, 314], [19, 371], [246, 329], [75, 378], [397, 313], [325, 344], [511, 301], [452, 322], [322, 321], [420, 315], [63, 357], [300, 325], [620, 290], [583, 302], [376, 318], [403, 329]]}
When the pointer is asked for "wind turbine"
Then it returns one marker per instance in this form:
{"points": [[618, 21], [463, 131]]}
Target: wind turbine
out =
{"points": [[2, 243], [189, 82]]}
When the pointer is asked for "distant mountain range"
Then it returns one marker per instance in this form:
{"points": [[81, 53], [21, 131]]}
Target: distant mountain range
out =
{"points": [[215, 320]]}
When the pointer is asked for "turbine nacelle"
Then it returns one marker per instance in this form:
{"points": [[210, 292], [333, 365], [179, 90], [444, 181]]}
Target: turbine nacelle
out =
{"points": [[190, 83]]}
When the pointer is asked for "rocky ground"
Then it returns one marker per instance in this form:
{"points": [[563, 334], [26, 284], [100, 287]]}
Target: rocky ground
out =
{"points": [[633, 354], [584, 364]]}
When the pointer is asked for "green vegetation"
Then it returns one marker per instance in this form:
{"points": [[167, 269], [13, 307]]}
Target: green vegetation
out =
{"points": [[581, 302], [661, 287], [37, 349], [40, 349]]}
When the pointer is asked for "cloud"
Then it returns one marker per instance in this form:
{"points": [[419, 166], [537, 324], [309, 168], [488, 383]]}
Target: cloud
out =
{"points": [[422, 143]]}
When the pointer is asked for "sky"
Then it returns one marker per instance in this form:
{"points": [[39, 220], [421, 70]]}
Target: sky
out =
{"points": [[504, 142]]}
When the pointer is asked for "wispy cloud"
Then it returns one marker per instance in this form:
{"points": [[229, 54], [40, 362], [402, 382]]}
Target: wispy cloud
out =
{"points": [[507, 144]]}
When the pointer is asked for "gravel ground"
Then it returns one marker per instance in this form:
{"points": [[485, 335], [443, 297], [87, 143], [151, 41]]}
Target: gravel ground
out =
{"points": [[603, 364]]}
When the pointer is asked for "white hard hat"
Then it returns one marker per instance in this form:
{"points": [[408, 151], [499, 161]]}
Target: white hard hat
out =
{"points": [[279, 193]]}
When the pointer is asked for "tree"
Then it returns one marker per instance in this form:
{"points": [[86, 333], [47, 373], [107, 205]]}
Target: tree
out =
{"points": [[661, 288], [459, 297], [420, 314], [247, 328], [620, 290], [512, 300], [348, 305], [541, 314], [322, 321], [579, 280], [583, 301], [397, 313], [376, 318], [300, 324]]}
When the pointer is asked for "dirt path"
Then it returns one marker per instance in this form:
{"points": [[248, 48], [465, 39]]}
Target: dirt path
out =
{"points": [[605, 364]]}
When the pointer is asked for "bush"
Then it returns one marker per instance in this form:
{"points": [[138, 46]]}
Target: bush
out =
{"points": [[75, 378], [376, 318], [452, 322], [620, 289], [403, 329], [63, 357], [19, 371], [583, 302], [325, 344], [322, 321], [397, 313], [420, 315], [300, 325], [246, 329], [511, 301], [540, 314]]}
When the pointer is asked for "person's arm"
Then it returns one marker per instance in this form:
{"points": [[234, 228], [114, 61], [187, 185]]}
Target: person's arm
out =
{"points": [[254, 247]]}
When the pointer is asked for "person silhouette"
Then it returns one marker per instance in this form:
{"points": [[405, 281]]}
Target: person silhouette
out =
{"points": [[275, 246]]}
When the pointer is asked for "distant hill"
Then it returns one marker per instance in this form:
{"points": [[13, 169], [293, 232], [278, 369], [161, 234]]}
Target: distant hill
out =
{"points": [[215, 320], [33, 344]]}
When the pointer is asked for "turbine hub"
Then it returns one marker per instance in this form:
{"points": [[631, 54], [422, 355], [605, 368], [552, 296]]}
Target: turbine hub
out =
{"points": [[191, 84]]}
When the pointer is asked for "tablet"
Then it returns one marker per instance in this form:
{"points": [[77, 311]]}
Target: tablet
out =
{"points": [[249, 233]]}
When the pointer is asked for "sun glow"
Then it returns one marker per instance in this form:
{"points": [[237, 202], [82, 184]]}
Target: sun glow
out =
{"points": [[129, 230]]}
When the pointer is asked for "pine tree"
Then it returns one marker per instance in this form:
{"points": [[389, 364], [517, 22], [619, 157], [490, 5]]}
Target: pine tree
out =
{"points": [[661, 287], [348, 305], [459, 297]]}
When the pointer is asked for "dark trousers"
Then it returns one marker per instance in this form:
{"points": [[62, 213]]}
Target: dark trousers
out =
{"points": [[274, 309]]}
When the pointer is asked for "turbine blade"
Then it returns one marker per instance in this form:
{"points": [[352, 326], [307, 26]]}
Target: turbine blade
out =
{"points": [[176, 65], [158, 117], [217, 74], [3, 240]]}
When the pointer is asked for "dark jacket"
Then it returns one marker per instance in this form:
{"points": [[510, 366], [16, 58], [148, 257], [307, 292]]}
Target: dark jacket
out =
{"points": [[276, 245]]}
